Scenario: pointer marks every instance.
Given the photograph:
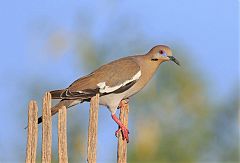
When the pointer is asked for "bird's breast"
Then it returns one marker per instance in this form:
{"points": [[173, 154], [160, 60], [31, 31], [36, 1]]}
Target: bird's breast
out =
{"points": [[141, 83], [111, 100]]}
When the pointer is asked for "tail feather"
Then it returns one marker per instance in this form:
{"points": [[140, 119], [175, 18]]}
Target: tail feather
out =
{"points": [[54, 109]]}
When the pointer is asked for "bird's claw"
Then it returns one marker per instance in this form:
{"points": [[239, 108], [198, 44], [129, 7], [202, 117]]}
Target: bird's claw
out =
{"points": [[124, 132]]}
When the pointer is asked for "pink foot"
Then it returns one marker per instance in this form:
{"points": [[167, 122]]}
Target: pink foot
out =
{"points": [[124, 132], [121, 128]]}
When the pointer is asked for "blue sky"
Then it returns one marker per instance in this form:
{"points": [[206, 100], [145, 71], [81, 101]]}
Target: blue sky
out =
{"points": [[207, 29]]}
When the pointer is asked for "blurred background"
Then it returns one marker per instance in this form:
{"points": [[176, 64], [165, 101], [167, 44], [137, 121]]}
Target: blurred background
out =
{"points": [[185, 114]]}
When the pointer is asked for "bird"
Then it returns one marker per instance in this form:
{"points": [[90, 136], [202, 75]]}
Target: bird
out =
{"points": [[114, 82]]}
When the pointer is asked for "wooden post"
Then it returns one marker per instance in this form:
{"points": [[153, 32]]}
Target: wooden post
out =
{"points": [[92, 130], [62, 135], [122, 144], [32, 132], [46, 129]]}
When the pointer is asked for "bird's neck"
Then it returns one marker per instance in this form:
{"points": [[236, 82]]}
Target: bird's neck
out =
{"points": [[148, 67]]}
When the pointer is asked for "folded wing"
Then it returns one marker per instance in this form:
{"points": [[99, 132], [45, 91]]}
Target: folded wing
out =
{"points": [[115, 77]]}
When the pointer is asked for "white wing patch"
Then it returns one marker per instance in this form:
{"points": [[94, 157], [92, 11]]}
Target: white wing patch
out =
{"points": [[107, 89]]}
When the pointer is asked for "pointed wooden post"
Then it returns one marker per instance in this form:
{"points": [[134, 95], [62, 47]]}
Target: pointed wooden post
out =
{"points": [[46, 129], [92, 130], [32, 132], [122, 144], [62, 135]]}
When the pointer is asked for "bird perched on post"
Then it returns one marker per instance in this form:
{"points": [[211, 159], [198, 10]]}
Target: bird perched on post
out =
{"points": [[114, 82]]}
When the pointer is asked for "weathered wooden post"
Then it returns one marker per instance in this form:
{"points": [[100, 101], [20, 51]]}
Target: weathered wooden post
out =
{"points": [[46, 129], [32, 132], [62, 135], [122, 144], [92, 130]]}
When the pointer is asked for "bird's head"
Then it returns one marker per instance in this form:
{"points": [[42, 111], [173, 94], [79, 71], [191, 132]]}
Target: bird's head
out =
{"points": [[161, 53]]}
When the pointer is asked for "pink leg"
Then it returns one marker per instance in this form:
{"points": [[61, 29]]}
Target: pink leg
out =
{"points": [[124, 130]]}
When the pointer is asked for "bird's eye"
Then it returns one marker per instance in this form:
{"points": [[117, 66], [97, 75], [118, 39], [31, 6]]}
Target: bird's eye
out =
{"points": [[163, 53]]}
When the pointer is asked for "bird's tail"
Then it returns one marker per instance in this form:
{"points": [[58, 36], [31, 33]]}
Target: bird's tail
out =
{"points": [[66, 103]]}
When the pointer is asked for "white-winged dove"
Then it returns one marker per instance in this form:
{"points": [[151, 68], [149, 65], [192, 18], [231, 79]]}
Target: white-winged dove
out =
{"points": [[115, 81]]}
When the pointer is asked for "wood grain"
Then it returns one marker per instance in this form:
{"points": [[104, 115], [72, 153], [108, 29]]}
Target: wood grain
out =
{"points": [[122, 144], [32, 132], [92, 130], [62, 135], [46, 129]]}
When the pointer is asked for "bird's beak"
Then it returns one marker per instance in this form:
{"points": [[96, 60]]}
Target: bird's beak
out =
{"points": [[174, 60]]}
